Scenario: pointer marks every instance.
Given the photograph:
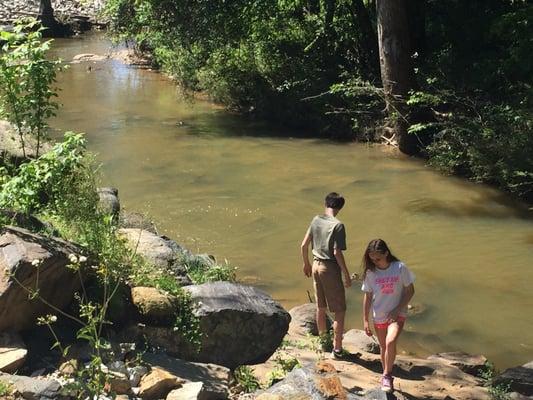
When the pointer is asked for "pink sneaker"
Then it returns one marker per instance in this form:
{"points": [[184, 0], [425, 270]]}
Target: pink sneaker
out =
{"points": [[387, 383]]}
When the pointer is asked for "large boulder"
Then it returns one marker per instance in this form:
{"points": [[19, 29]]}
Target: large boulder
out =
{"points": [[519, 379], [30, 261], [239, 324]]}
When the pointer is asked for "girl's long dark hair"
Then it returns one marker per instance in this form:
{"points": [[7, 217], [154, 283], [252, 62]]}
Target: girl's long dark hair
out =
{"points": [[376, 246]]}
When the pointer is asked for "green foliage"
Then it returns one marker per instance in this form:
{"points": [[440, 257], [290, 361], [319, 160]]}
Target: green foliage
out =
{"points": [[496, 392], [26, 79], [44, 181], [244, 375], [480, 140], [282, 368], [5, 389], [186, 323]]}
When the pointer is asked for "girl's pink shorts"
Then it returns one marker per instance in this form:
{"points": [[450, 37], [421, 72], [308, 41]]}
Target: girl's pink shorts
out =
{"points": [[385, 325]]}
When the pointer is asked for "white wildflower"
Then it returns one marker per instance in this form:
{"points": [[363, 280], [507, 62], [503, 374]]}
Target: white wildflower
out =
{"points": [[73, 258], [36, 262], [83, 259]]}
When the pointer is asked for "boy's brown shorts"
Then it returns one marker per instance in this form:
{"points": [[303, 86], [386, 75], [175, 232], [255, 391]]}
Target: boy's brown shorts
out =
{"points": [[329, 289]]}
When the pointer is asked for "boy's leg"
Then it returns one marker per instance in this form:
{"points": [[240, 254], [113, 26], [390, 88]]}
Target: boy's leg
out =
{"points": [[392, 334], [321, 320], [338, 329], [381, 333]]}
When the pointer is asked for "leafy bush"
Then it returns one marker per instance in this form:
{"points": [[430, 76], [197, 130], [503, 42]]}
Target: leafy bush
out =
{"points": [[26, 79], [244, 375]]}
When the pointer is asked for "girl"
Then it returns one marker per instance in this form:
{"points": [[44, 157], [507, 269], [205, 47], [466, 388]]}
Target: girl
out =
{"points": [[388, 287]]}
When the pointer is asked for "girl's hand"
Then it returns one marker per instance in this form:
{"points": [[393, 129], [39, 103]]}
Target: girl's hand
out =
{"points": [[393, 315], [367, 328]]}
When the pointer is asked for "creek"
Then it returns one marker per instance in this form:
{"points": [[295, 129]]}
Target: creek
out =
{"points": [[246, 191]]}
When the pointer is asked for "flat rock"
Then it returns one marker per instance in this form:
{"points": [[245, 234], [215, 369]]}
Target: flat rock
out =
{"points": [[215, 378], [12, 352], [88, 57], [357, 340], [189, 391], [33, 388], [471, 364], [158, 383]]}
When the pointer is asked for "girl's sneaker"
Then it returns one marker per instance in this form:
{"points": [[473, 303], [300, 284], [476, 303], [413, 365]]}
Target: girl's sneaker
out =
{"points": [[387, 383]]}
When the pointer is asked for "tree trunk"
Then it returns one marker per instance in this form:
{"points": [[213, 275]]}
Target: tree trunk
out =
{"points": [[46, 14], [396, 70]]}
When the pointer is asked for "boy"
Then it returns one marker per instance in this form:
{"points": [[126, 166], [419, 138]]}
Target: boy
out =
{"points": [[328, 238]]}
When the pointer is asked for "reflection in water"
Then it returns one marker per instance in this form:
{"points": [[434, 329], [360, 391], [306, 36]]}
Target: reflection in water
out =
{"points": [[221, 185]]}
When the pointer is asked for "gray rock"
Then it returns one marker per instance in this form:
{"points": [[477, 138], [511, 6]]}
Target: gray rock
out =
{"points": [[303, 320], [303, 383], [215, 378], [378, 394], [239, 324], [520, 379], [471, 364], [57, 283], [12, 352], [33, 388], [108, 200], [136, 221], [160, 251], [357, 340]]}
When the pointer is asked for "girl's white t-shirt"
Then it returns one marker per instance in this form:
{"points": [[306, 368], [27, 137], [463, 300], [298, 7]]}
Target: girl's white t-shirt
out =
{"points": [[386, 286]]}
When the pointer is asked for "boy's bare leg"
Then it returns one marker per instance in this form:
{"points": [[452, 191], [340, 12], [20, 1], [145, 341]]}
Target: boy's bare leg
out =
{"points": [[393, 332], [321, 320], [338, 329]]}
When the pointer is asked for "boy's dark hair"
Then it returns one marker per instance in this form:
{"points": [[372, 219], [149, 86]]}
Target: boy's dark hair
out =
{"points": [[334, 200]]}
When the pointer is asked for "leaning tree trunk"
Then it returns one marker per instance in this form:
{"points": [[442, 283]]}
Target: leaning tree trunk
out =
{"points": [[396, 70]]}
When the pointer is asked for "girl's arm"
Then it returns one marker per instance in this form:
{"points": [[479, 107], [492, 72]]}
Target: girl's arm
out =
{"points": [[367, 303], [407, 294]]}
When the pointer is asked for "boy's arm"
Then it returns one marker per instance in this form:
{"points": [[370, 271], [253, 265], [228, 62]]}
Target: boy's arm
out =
{"points": [[367, 302], [305, 253], [340, 260]]}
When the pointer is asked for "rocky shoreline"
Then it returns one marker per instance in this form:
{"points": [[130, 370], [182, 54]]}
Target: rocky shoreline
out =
{"points": [[80, 15], [240, 326]]}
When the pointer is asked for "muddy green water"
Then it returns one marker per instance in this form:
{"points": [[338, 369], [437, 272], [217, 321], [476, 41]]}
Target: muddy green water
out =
{"points": [[234, 189]]}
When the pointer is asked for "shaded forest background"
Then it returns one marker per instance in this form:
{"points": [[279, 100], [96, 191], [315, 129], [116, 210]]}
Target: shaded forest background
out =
{"points": [[458, 90]]}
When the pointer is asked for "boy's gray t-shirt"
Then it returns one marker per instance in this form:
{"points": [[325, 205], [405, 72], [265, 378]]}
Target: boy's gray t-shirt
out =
{"points": [[386, 286], [328, 234]]}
